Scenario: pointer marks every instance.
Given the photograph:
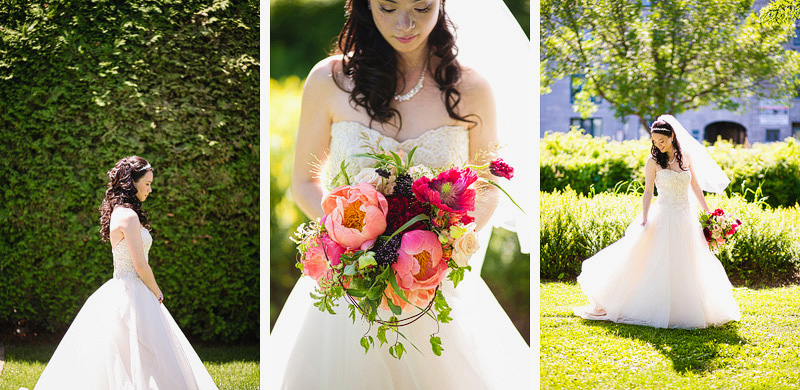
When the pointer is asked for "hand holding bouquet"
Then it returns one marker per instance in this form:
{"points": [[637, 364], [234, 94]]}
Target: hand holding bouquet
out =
{"points": [[388, 238], [718, 228]]}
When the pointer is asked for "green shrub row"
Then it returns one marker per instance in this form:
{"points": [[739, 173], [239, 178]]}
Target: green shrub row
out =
{"points": [[574, 227], [87, 83], [591, 165]]}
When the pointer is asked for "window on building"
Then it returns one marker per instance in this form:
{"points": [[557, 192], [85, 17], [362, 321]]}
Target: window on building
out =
{"points": [[576, 85], [796, 130], [772, 135], [796, 39], [591, 126]]}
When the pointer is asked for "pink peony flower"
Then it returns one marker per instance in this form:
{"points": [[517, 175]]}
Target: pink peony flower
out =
{"points": [[321, 249], [419, 261], [449, 191], [355, 215], [420, 298], [501, 169]]}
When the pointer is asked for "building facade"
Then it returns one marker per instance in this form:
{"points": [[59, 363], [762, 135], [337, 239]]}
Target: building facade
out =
{"points": [[758, 121]]}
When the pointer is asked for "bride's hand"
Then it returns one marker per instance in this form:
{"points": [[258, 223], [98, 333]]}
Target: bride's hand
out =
{"points": [[159, 295], [644, 221]]}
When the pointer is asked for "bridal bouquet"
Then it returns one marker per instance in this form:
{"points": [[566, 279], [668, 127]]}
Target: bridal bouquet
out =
{"points": [[718, 228], [388, 238]]}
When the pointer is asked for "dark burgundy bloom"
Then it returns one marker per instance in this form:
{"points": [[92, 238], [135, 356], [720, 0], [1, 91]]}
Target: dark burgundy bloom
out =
{"points": [[501, 169], [401, 210], [450, 191], [707, 234]]}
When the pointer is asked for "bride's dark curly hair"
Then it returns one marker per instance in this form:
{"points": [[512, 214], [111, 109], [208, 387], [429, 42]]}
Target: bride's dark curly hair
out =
{"points": [[121, 191], [662, 127], [371, 63]]}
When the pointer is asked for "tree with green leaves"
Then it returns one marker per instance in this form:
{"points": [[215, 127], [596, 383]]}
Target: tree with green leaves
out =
{"points": [[648, 58]]}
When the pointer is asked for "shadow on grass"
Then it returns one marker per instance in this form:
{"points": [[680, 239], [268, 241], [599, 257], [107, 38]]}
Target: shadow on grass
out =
{"points": [[692, 351]]}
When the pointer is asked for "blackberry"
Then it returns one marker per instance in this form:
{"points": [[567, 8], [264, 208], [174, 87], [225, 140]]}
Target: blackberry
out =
{"points": [[383, 172], [402, 186], [387, 253]]}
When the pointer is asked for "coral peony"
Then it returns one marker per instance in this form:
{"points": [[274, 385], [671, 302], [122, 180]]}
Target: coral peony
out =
{"points": [[322, 248], [355, 215], [449, 191], [419, 262]]}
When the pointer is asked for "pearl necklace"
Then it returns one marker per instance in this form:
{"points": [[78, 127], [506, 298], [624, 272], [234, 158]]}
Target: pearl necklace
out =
{"points": [[413, 92], [674, 158]]}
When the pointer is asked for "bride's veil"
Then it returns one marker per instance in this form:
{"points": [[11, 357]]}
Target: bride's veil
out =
{"points": [[707, 172], [491, 41]]}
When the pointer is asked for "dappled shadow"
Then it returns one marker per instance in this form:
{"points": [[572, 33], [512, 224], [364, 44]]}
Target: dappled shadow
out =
{"points": [[689, 350]]}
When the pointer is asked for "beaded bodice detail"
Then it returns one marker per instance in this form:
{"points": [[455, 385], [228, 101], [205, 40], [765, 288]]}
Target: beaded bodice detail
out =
{"points": [[443, 147], [673, 187], [123, 262]]}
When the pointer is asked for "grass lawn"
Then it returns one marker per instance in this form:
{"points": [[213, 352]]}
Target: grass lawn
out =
{"points": [[232, 367], [760, 352]]}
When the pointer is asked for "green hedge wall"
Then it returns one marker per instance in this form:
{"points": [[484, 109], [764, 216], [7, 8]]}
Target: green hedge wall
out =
{"points": [[85, 83], [591, 165], [575, 227]]}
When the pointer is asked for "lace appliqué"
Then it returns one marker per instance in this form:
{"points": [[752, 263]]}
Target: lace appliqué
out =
{"points": [[123, 263], [673, 187], [439, 148]]}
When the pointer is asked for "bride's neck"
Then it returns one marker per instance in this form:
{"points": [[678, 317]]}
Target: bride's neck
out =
{"points": [[410, 63]]}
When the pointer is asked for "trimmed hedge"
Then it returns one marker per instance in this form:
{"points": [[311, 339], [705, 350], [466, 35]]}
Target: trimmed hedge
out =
{"points": [[574, 227], [591, 165], [87, 83]]}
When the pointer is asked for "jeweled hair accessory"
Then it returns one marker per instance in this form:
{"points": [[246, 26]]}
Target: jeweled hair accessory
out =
{"points": [[144, 168], [661, 130]]}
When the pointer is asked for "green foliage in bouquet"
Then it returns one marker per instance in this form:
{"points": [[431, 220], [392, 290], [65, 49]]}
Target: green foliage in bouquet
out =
{"points": [[592, 165], [87, 83]]}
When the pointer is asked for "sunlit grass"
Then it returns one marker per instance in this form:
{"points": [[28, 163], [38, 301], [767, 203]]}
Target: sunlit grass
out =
{"points": [[762, 351], [231, 367]]}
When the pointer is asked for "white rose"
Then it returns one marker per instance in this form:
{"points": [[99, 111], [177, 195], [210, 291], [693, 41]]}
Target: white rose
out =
{"points": [[368, 175], [465, 246]]}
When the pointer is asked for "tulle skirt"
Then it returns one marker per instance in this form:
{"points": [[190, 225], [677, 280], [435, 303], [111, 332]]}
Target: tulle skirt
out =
{"points": [[310, 349], [123, 338], [661, 275]]}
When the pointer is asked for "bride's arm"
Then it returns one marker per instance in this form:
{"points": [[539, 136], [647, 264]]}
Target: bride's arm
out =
{"points": [[313, 139], [128, 221], [649, 183], [478, 99], [698, 192]]}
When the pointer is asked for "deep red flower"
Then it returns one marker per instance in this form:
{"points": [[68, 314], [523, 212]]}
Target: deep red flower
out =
{"points": [[401, 210], [450, 191], [707, 234], [718, 212], [501, 169]]}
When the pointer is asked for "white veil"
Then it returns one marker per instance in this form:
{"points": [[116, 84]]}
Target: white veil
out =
{"points": [[707, 172], [490, 40]]}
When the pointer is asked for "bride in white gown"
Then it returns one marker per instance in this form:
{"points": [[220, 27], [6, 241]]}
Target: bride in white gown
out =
{"points": [[123, 337], [399, 85], [662, 273]]}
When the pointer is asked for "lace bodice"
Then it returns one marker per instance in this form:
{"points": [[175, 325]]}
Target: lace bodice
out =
{"points": [[123, 263], [441, 147], [673, 187]]}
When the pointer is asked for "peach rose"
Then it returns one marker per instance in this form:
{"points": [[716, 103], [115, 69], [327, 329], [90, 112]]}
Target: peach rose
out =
{"points": [[368, 175], [355, 215], [420, 298], [419, 262], [321, 251], [465, 246]]}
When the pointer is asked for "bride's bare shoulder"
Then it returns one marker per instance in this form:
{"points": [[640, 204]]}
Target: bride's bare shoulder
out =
{"points": [[321, 77]]}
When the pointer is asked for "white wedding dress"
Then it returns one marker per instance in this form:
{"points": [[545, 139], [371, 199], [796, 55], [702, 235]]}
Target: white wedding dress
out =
{"points": [[663, 274], [310, 349], [123, 338]]}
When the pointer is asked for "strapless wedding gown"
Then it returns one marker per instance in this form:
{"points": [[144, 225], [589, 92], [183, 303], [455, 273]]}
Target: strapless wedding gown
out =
{"points": [[310, 349], [123, 338], [663, 274]]}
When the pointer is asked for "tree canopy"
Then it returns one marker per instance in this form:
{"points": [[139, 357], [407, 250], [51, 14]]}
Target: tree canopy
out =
{"points": [[647, 58]]}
